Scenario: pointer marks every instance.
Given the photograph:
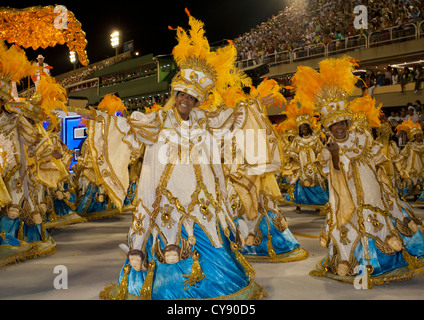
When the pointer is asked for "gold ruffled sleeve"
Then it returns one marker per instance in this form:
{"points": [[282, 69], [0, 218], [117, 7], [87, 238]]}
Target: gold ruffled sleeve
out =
{"points": [[5, 198], [113, 142], [341, 201], [259, 148], [50, 171]]}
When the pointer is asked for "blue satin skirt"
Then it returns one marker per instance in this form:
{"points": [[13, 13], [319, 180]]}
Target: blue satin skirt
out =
{"points": [[224, 274], [384, 263], [308, 195], [33, 233], [88, 202], [61, 208], [282, 242], [10, 227], [130, 193]]}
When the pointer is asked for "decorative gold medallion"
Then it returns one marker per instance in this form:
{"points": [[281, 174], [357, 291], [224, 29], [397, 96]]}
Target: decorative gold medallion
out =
{"points": [[166, 217]]}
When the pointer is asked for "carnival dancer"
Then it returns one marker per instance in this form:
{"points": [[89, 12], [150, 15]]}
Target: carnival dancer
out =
{"points": [[181, 223], [308, 185], [12, 246], [367, 231], [410, 161], [37, 162], [93, 202], [262, 225], [286, 131]]}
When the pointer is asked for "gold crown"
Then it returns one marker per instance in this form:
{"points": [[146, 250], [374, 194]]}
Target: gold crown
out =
{"points": [[303, 119], [334, 112], [410, 127], [195, 77], [413, 131], [300, 113], [329, 89], [204, 71]]}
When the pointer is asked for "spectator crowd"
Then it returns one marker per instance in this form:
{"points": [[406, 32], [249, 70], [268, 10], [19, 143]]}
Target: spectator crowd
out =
{"points": [[314, 22]]}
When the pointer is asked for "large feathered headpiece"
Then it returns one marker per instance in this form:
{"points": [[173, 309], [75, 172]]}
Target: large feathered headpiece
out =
{"points": [[301, 113], [53, 97], [14, 66], [203, 71], [410, 128], [366, 112], [112, 104], [287, 127], [329, 89], [268, 87]]}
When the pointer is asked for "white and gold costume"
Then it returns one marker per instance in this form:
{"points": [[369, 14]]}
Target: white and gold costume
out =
{"points": [[368, 231], [181, 199]]}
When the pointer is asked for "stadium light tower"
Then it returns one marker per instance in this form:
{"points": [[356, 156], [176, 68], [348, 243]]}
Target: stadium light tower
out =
{"points": [[73, 58], [114, 41]]}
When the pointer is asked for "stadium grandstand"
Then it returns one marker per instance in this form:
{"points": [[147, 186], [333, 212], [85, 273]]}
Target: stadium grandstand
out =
{"points": [[390, 45]]}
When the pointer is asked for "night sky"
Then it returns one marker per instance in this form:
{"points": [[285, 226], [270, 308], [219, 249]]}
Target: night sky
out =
{"points": [[147, 24]]}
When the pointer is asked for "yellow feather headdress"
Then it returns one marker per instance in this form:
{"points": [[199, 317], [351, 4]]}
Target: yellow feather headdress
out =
{"points": [[268, 87], [50, 96], [301, 113], [203, 71], [410, 128], [14, 66], [155, 107], [111, 104], [287, 127], [366, 112], [329, 89]]}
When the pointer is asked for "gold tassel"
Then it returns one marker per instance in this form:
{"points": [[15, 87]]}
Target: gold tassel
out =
{"points": [[413, 262], [196, 274], [270, 248], [250, 271], [43, 232], [123, 287], [369, 270], [21, 231], [146, 289]]}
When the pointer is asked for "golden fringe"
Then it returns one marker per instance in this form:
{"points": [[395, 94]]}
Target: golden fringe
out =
{"points": [[377, 280], [102, 214], [104, 295], [294, 255], [47, 252], [57, 224], [259, 294], [22, 256]]}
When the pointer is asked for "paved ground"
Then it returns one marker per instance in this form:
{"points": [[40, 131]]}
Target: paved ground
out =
{"points": [[92, 258]]}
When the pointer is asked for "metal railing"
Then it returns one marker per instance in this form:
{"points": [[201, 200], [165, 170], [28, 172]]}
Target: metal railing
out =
{"points": [[377, 38], [339, 46], [392, 35], [309, 52]]}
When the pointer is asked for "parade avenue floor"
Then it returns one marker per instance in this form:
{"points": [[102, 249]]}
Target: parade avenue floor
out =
{"points": [[89, 252]]}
